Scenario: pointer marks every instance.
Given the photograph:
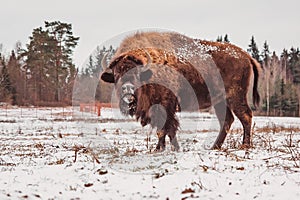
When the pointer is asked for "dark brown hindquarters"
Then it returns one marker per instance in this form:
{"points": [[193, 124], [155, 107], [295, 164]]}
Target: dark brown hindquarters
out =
{"points": [[239, 106]]}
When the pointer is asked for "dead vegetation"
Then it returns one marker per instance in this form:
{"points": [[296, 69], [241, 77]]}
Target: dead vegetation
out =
{"points": [[85, 150], [99, 152], [273, 128], [280, 142]]}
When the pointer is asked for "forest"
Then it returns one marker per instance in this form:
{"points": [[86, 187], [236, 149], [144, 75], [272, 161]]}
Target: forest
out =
{"points": [[43, 72]]}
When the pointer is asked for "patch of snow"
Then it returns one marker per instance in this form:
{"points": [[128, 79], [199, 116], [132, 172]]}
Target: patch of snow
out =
{"points": [[61, 153]]}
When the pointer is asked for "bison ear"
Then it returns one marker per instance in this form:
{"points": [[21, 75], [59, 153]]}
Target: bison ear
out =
{"points": [[108, 77], [146, 75]]}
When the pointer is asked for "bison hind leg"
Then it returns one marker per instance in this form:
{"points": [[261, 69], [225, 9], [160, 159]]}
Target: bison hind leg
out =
{"points": [[244, 114], [225, 118]]}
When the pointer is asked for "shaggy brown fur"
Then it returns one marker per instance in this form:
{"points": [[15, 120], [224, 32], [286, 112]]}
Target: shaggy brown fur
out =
{"points": [[211, 73]]}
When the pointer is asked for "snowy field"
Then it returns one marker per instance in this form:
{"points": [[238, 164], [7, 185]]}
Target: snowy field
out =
{"points": [[61, 153]]}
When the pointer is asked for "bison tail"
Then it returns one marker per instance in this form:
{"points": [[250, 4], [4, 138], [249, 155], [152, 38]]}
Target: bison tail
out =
{"points": [[256, 66]]}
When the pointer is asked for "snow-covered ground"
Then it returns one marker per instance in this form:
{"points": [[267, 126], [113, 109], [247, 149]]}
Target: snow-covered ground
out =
{"points": [[61, 153]]}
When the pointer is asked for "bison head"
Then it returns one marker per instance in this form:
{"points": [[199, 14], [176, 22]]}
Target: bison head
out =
{"points": [[128, 73]]}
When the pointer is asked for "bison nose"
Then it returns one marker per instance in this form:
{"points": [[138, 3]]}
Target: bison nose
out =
{"points": [[128, 88]]}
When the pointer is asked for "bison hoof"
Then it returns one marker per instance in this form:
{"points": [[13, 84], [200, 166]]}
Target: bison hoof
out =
{"points": [[245, 146], [174, 144], [216, 147], [174, 148], [159, 150]]}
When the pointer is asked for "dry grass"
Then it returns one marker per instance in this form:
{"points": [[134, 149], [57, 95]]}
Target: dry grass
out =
{"points": [[273, 128], [283, 143], [86, 150]]}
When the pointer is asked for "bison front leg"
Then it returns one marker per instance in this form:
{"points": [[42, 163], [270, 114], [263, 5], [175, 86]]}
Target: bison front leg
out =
{"points": [[171, 128], [244, 114]]}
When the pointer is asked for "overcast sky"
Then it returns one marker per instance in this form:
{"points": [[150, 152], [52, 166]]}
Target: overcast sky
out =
{"points": [[96, 21]]}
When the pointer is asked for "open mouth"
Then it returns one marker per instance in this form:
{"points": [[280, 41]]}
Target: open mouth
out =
{"points": [[128, 104]]}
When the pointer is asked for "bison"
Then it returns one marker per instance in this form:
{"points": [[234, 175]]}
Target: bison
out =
{"points": [[157, 74]]}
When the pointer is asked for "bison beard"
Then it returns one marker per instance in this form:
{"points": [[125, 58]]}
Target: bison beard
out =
{"points": [[128, 104]]}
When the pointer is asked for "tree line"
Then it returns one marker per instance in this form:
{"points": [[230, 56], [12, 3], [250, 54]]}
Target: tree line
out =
{"points": [[43, 73], [89, 87], [279, 83]]}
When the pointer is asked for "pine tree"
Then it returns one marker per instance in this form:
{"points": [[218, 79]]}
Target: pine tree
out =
{"points": [[104, 90], [6, 89], [219, 39], [293, 57], [99, 56], [39, 59], [253, 50], [293, 65], [284, 59], [226, 39], [64, 69], [265, 53], [289, 101], [48, 60], [90, 68], [17, 78]]}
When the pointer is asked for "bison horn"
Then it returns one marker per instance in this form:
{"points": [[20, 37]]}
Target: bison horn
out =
{"points": [[107, 74], [149, 59], [146, 73], [103, 61]]}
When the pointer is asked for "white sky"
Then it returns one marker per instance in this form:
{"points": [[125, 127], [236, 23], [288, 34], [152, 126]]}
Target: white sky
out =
{"points": [[96, 21]]}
